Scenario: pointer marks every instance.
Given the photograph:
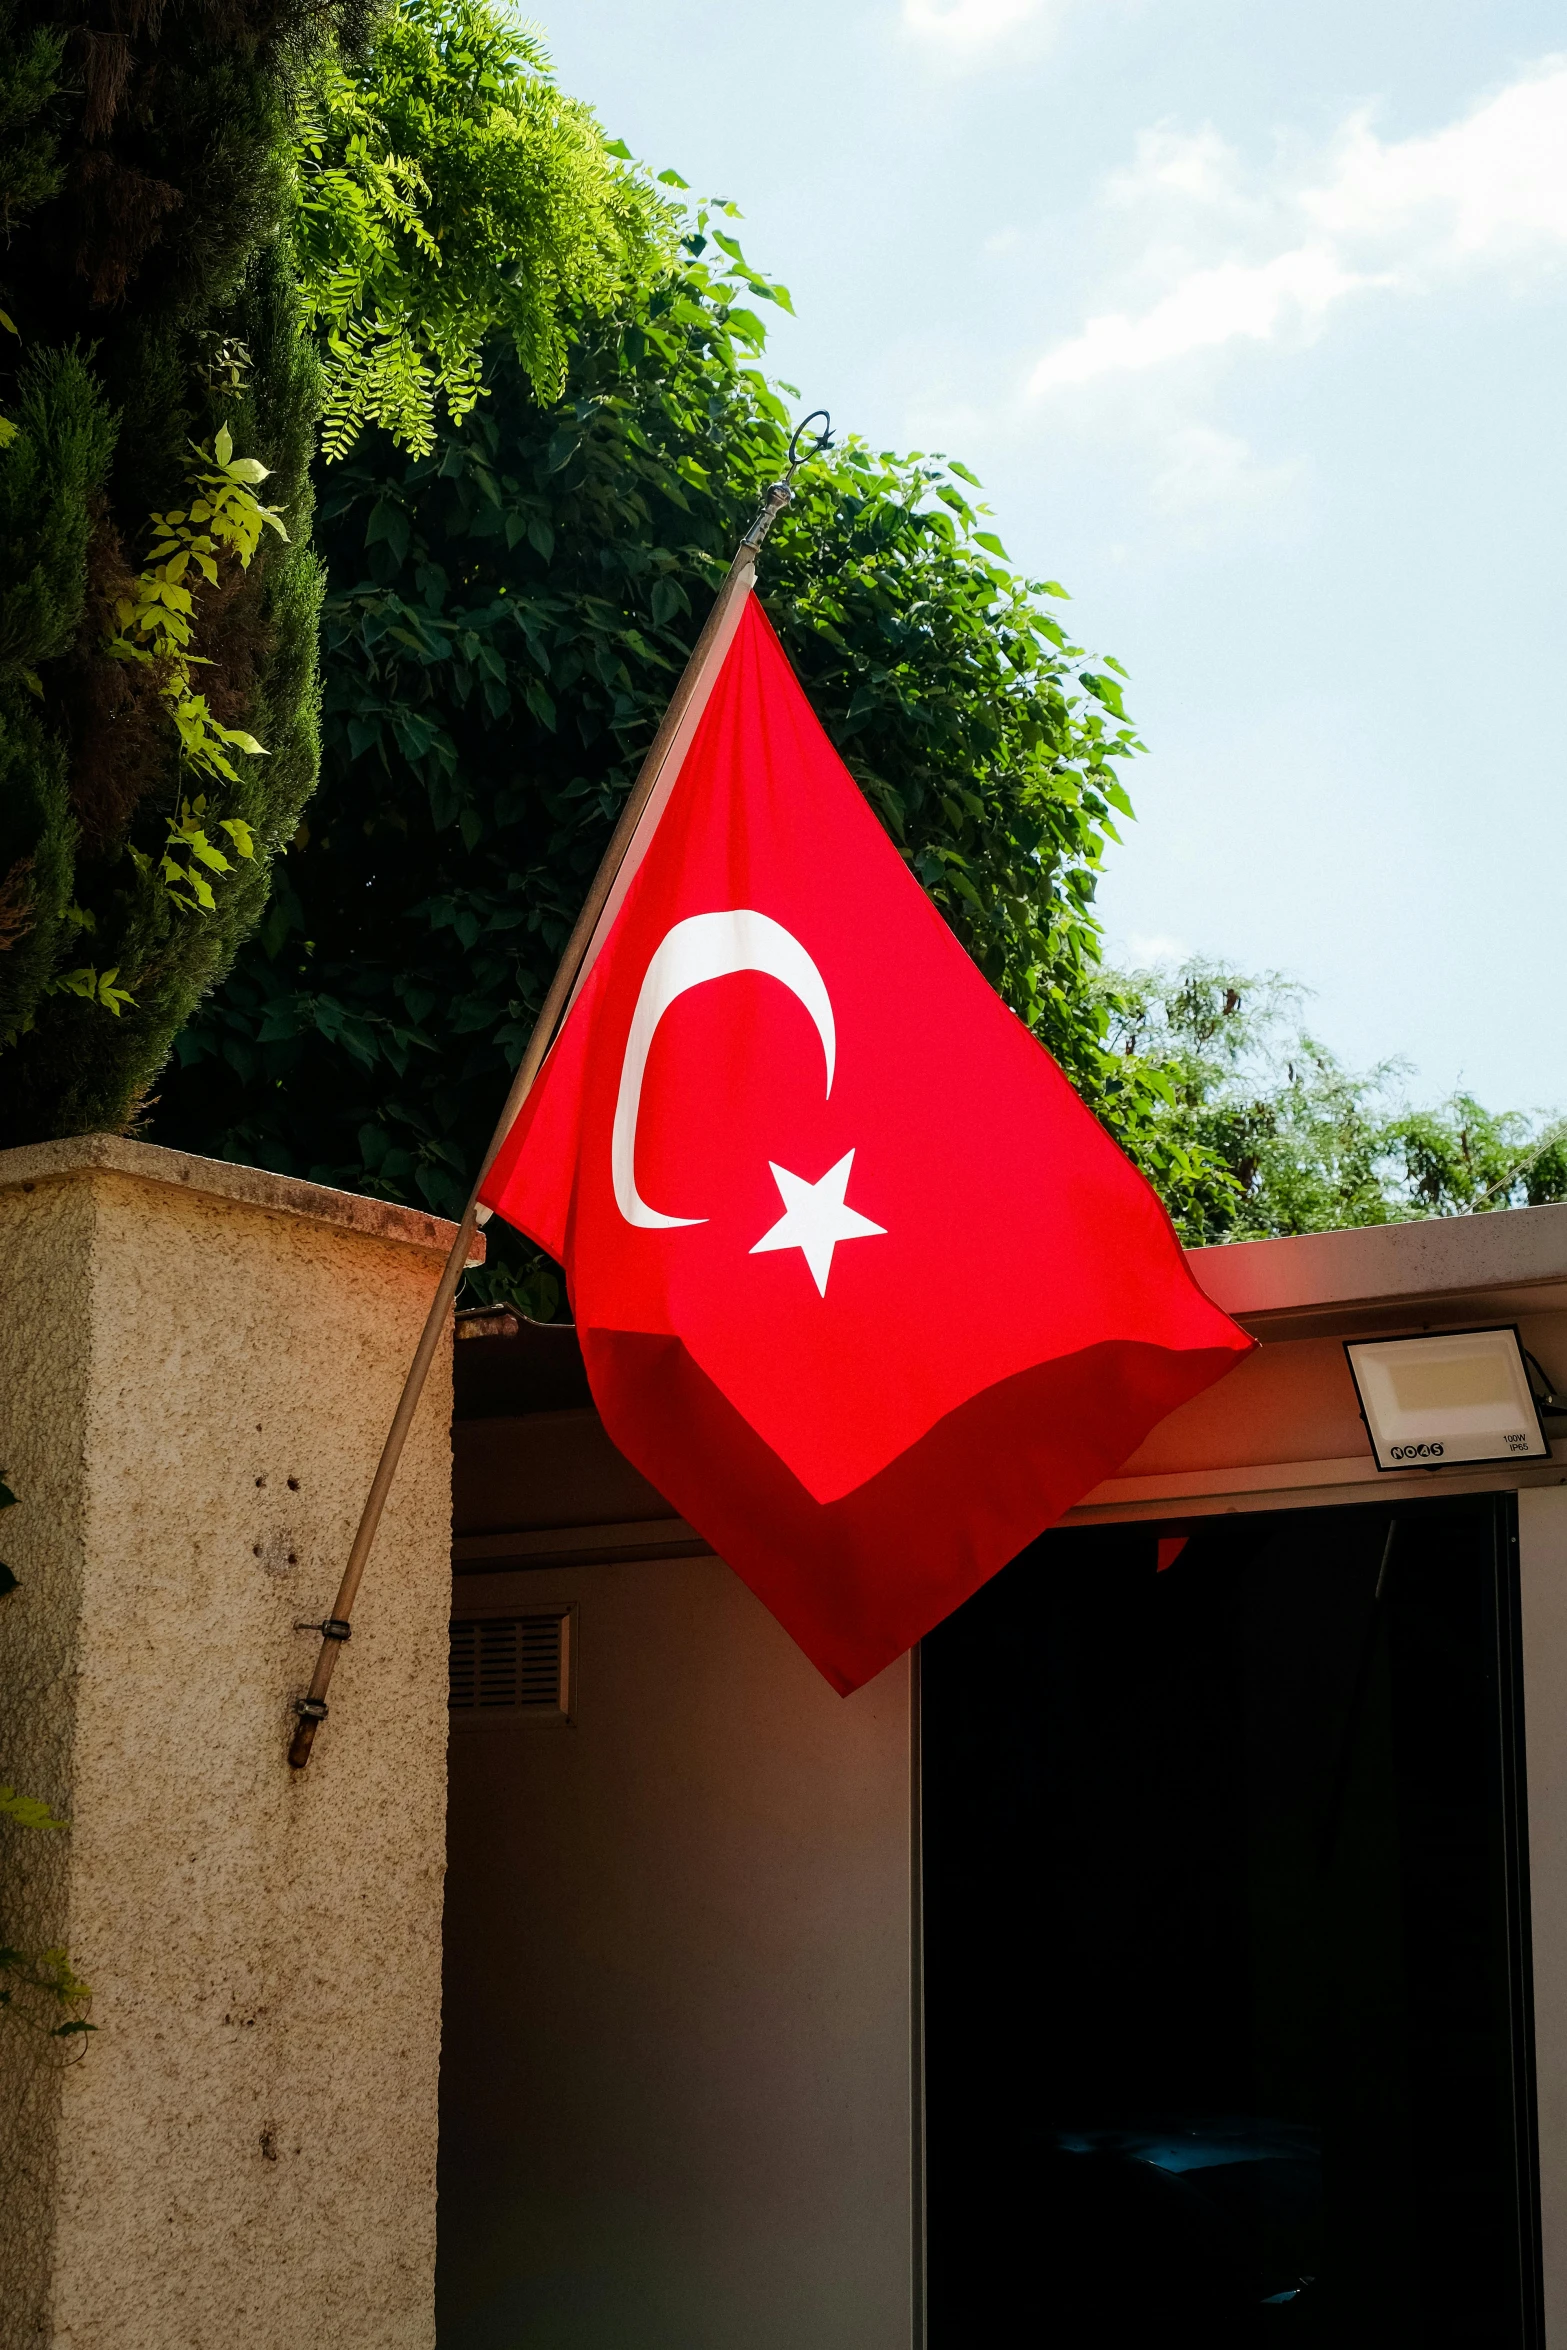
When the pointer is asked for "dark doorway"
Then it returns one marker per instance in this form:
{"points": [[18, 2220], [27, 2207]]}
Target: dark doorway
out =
{"points": [[1226, 1940]]}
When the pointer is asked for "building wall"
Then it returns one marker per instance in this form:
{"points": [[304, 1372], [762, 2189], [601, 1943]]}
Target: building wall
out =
{"points": [[197, 1366], [679, 2089], [675, 1929]]}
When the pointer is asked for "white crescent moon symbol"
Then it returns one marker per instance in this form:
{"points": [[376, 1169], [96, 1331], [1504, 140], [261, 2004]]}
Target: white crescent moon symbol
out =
{"points": [[707, 946]]}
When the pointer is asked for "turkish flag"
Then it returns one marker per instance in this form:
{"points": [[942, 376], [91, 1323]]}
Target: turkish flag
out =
{"points": [[861, 1286]]}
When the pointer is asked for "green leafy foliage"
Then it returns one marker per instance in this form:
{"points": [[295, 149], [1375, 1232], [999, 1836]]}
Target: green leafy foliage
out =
{"points": [[451, 194], [28, 1811], [1307, 1145], [187, 851], [42, 1992], [31, 62], [52, 475], [507, 616], [151, 298], [31, 55], [150, 303], [155, 621], [109, 746]]}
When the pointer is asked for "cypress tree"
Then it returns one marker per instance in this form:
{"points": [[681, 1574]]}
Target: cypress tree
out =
{"points": [[151, 323]]}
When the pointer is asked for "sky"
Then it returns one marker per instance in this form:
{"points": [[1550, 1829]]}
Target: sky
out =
{"points": [[1249, 314]]}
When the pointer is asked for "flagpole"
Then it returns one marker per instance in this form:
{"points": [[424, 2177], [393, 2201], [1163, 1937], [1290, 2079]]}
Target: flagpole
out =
{"points": [[334, 1629]]}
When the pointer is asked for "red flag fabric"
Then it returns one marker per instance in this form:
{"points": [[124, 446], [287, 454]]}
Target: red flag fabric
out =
{"points": [[861, 1286]]}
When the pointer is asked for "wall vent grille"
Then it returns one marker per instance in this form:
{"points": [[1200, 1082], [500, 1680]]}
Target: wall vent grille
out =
{"points": [[511, 1666]]}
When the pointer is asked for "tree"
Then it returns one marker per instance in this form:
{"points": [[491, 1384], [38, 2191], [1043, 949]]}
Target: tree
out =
{"points": [[1307, 1145], [506, 617], [148, 305], [450, 193], [159, 597]]}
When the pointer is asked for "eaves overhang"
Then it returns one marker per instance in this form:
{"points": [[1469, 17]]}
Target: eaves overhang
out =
{"points": [[1283, 1430]]}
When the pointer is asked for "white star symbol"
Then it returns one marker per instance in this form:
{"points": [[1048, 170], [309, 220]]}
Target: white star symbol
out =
{"points": [[815, 1218]]}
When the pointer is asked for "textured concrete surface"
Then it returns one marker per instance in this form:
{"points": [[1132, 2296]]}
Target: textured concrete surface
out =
{"points": [[197, 1366]]}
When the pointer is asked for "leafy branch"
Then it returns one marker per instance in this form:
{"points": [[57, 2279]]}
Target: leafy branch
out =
{"points": [[37, 1988], [448, 193], [187, 850], [158, 620], [87, 981], [28, 1811], [93, 986]]}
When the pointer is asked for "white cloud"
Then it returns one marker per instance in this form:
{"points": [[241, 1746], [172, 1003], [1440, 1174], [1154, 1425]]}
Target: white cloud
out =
{"points": [[1204, 470], [1207, 307], [1261, 258], [1145, 947], [966, 25], [1493, 184], [1200, 166]]}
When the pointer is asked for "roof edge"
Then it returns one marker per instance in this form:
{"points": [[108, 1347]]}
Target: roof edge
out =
{"points": [[1437, 1256]]}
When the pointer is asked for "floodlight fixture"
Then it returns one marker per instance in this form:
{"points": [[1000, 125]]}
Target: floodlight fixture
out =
{"points": [[1437, 1402]]}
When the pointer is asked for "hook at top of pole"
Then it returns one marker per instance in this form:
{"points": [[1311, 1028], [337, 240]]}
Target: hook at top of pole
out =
{"points": [[781, 491], [823, 440]]}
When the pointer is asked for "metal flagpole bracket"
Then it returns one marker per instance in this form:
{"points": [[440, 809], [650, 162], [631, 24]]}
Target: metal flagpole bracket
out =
{"points": [[782, 491], [311, 1709], [824, 439]]}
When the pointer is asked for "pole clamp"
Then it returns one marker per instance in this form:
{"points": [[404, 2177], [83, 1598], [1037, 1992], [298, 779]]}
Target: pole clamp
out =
{"points": [[330, 1627], [311, 1709]]}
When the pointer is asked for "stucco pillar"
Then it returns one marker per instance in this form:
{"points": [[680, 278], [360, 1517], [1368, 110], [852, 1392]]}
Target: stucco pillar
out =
{"points": [[197, 1365]]}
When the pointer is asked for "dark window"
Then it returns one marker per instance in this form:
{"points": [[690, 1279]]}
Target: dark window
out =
{"points": [[1226, 1940]]}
